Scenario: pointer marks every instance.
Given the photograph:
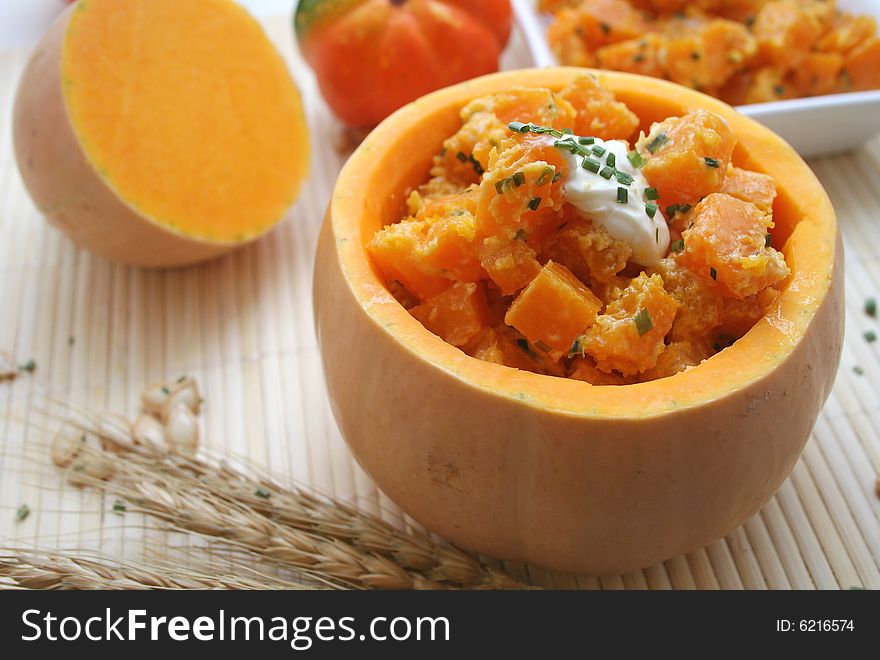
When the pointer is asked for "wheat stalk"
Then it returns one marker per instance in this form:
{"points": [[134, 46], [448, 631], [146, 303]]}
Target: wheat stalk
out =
{"points": [[59, 570], [319, 536]]}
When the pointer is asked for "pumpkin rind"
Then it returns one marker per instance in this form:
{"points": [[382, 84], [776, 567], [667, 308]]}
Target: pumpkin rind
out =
{"points": [[555, 471]]}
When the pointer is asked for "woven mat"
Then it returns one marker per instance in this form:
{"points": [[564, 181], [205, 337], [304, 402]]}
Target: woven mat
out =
{"points": [[242, 325]]}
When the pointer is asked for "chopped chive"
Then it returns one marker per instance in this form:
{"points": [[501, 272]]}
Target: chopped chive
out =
{"points": [[871, 307], [636, 159], [651, 209], [870, 336], [586, 140], [520, 235], [622, 195], [519, 127], [713, 274], [524, 345], [28, 367], [657, 234], [543, 347], [623, 177], [518, 179], [557, 176], [611, 159], [460, 155], [534, 203], [695, 56], [605, 27], [768, 241], [685, 208], [638, 58], [478, 167], [119, 506], [181, 379], [591, 164], [22, 512], [657, 142], [677, 246], [712, 162], [165, 390], [651, 193], [576, 348], [779, 90], [644, 322], [858, 370], [672, 209], [606, 172], [546, 175], [262, 492], [568, 131], [599, 151]]}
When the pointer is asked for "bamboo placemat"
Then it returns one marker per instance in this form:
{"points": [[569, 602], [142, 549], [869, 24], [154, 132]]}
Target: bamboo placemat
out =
{"points": [[99, 332]]}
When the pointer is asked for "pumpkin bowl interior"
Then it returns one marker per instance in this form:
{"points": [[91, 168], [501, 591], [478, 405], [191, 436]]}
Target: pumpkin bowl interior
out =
{"points": [[590, 479]]}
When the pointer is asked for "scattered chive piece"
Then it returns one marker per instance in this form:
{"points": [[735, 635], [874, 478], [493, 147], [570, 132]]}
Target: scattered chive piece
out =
{"points": [[181, 379], [586, 140], [518, 179], [695, 56], [713, 274], [870, 336], [591, 164], [644, 322], [672, 209], [657, 142], [651, 193], [460, 155], [623, 177], [534, 203], [262, 492], [651, 209], [685, 208], [119, 506], [557, 176], [610, 160], [871, 308], [546, 175], [635, 159], [712, 162], [568, 131], [657, 234], [606, 172], [779, 90], [22, 512], [638, 58], [768, 241], [599, 151], [28, 366], [165, 390], [542, 346], [478, 167], [499, 186], [622, 195], [576, 348], [524, 345], [519, 127], [606, 29], [71, 340], [859, 371], [677, 246], [520, 235]]}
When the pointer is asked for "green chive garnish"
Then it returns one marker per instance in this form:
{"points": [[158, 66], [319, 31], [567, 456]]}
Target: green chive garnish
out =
{"points": [[606, 29], [546, 175], [262, 492], [672, 209], [165, 390], [610, 160], [651, 209], [599, 151], [543, 347], [623, 177], [576, 348], [587, 140], [768, 241], [635, 159], [518, 179], [870, 336], [22, 512], [119, 506], [657, 142], [685, 208], [28, 367], [871, 308], [858, 370], [557, 176], [644, 322], [622, 195], [460, 155], [606, 172], [520, 235], [534, 203], [712, 162], [678, 246], [592, 165], [519, 127], [651, 193], [713, 274]]}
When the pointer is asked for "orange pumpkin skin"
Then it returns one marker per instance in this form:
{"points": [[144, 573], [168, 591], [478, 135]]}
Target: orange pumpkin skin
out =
{"points": [[373, 56], [558, 472]]}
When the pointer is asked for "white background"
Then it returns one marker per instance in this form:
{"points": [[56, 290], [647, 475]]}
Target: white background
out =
{"points": [[23, 21]]}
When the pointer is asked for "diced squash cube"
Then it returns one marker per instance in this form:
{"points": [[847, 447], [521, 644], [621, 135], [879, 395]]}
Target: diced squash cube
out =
{"points": [[847, 32], [584, 369], [628, 337], [863, 66], [675, 358], [457, 315], [510, 263], [727, 244], [554, 309], [566, 40], [786, 32], [504, 345], [706, 57], [687, 157], [754, 187], [587, 250], [601, 22], [699, 305], [739, 316], [640, 55], [599, 114], [819, 73]]}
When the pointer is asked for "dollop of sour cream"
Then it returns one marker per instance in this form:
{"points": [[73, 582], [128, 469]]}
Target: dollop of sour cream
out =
{"points": [[599, 199]]}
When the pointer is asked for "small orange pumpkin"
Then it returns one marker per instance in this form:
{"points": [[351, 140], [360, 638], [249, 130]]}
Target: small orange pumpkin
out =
{"points": [[374, 56]]}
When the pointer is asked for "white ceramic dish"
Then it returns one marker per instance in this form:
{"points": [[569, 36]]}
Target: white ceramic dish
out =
{"points": [[815, 126]]}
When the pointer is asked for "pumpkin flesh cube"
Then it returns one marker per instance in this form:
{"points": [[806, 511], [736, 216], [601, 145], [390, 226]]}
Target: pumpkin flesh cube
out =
{"points": [[754, 187], [602, 22], [628, 337], [687, 157], [705, 58], [511, 264], [819, 73], [587, 250], [699, 304], [727, 244], [585, 370], [847, 32], [599, 114], [457, 315], [677, 357], [740, 316], [640, 55], [863, 65], [554, 309], [785, 32]]}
